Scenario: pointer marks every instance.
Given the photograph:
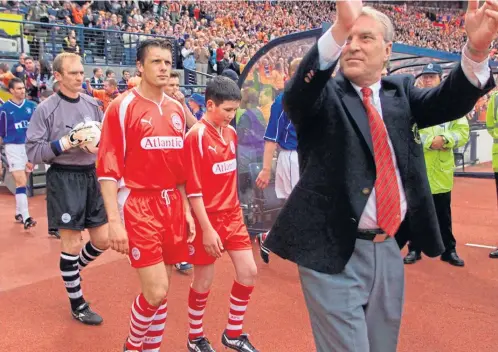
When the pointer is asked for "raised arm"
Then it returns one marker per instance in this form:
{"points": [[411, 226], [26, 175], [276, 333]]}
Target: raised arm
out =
{"points": [[450, 100], [305, 90], [470, 80]]}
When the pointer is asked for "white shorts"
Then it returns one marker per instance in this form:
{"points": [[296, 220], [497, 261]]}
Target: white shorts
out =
{"points": [[16, 156], [287, 173]]}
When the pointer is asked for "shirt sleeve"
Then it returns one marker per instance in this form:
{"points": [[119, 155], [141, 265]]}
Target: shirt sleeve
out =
{"points": [[39, 149], [458, 133], [110, 159], [3, 122], [271, 133], [99, 94], [328, 50], [193, 162], [477, 73]]}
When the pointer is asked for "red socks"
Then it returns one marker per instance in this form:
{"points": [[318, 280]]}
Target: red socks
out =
{"points": [[154, 335], [142, 315], [196, 306], [239, 298]]}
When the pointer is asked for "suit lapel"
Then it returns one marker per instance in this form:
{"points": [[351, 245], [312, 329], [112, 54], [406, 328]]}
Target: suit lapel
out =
{"points": [[356, 109], [392, 114], [392, 109]]}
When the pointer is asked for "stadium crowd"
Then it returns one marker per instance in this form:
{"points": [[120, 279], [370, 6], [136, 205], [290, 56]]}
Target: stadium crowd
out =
{"points": [[212, 35]]}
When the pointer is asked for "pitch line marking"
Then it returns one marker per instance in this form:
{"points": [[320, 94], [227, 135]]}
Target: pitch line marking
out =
{"points": [[480, 246]]}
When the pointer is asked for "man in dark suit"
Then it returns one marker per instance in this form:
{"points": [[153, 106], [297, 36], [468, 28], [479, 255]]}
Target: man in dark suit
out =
{"points": [[363, 191]]}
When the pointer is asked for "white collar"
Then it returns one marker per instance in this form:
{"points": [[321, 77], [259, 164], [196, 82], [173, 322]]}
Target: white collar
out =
{"points": [[374, 87]]}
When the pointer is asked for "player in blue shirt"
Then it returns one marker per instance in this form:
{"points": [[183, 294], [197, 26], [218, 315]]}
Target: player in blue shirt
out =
{"points": [[15, 115], [279, 132]]}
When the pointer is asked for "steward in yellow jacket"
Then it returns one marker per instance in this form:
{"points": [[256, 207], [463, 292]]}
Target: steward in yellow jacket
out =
{"points": [[492, 127], [438, 143]]}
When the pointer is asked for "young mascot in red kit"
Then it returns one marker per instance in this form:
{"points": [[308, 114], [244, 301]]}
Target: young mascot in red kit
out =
{"points": [[140, 168], [211, 168]]}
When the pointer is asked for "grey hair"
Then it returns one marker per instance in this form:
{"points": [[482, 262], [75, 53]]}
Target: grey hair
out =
{"points": [[382, 19]]}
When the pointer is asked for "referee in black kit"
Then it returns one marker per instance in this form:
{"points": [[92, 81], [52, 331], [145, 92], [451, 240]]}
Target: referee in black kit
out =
{"points": [[74, 201]]}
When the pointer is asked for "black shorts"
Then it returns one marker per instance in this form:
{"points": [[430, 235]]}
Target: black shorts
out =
{"points": [[74, 201]]}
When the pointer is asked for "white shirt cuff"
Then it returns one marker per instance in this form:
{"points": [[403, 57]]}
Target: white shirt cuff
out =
{"points": [[328, 50], [477, 73]]}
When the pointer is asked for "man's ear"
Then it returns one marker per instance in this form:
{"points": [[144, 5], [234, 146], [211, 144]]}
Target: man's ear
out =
{"points": [[57, 76], [140, 67], [389, 49]]}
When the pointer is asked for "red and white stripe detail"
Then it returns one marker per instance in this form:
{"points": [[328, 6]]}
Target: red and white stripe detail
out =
{"points": [[238, 308], [196, 308], [142, 315], [154, 336]]}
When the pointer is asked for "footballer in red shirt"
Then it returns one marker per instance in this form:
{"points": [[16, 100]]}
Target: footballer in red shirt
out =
{"points": [[211, 169], [140, 169]]}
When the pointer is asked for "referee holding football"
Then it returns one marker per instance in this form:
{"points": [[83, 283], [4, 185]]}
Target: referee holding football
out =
{"points": [[58, 128]]}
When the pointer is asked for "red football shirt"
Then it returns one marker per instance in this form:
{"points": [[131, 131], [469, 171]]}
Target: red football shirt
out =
{"points": [[141, 145], [211, 166]]}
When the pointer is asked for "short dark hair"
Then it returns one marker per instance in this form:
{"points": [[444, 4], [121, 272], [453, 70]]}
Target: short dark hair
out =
{"points": [[108, 72], [174, 74], [14, 81], [124, 71], [112, 82], [221, 89], [156, 43]]}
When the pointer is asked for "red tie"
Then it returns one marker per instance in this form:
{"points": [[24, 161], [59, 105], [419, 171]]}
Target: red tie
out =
{"points": [[386, 184]]}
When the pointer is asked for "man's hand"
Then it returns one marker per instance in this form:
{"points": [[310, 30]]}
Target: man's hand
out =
{"points": [[78, 135], [190, 226], [118, 237], [263, 179], [438, 143], [29, 167], [212, 243], [481, 25], [178, 95], [348, 12]]}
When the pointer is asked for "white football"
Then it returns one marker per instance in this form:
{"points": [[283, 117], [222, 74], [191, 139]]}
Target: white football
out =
{"points": [[91, 147]]}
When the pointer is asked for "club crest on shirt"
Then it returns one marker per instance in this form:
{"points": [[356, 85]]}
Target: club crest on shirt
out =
{"points": [[191, 250], [416, 134], [177, 122], [232, 147]]}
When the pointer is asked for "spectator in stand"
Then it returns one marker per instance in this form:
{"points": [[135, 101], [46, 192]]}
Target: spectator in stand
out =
{"points": [[29, 76], [202, 55], [173, 90], [115, 41], [130, 41], [106, 95], [197, 105], [97, 80], [79, 11], [5, 75], [72, 47], [110, 74], [19, 67], [123, 82]]}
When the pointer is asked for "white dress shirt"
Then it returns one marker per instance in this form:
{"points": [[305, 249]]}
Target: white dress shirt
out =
{"points": [[329, 52]]}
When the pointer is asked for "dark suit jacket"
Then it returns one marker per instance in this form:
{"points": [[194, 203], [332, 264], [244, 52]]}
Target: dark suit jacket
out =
{"points": [[317, 226]]}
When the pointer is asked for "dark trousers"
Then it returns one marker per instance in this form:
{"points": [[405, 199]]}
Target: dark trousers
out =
{"points": [[442, 201], [496, 181]]}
